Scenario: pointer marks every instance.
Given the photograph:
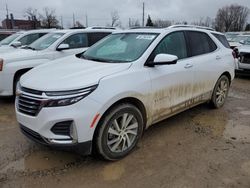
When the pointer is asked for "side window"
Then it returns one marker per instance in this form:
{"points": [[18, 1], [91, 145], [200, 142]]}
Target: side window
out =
{"points": [[174, 44], [222, 39], [78, 40], [28, 39], [95, 37], [200, 43]]}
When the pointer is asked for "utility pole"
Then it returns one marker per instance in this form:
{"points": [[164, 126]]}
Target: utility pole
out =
{"points": [[62, 22], [86, 20], [74, 21], [7, 11], [129, 22], [143, 12]]}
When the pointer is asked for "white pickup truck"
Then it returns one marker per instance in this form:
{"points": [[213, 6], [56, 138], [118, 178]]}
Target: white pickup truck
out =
{"points": [[22, 38], [57, 44]]}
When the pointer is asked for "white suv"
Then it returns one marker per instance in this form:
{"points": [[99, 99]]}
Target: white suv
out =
{"points": [[103, 100], [57, 44]]}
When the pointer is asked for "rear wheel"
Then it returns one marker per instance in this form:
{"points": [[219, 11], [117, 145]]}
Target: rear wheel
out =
{"points": [[220, 92], [119, 132]]}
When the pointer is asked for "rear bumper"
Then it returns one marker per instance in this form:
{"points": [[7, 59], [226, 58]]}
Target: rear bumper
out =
{"points": [[84, 148]]}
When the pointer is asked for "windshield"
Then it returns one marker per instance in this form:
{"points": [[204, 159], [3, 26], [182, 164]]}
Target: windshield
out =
{"points": [[122, 47], [9, 39], [46, 41]]}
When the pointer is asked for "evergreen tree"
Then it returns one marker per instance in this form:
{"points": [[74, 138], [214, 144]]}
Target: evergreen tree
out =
{"points": [[247, 27], [149, 21]]}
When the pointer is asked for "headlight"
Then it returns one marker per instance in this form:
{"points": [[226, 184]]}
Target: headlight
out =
{"points": [[1, 64], [65, 98]]}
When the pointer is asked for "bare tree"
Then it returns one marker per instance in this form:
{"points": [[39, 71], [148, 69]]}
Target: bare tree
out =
{"points": [[134, 23], [31, 13], [231, 18], [206, 22], [115, 19], [79, 24], [48, 19], [162, 23]]}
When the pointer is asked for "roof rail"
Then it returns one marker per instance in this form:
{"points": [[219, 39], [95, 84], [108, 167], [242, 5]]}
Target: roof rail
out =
{"points": [[146, 27], [101, 27], [192, 26]]}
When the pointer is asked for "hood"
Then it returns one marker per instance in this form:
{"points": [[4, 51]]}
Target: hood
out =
{"points": [[4, 49], [244, 48], [19, 55], [68, 74]]}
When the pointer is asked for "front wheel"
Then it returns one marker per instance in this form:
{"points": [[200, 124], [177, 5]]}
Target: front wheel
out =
{"points": [[220, 92], [119, 132]]}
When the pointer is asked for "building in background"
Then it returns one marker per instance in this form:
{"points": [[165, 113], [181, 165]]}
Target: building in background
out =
{"points": [[11, 23]]}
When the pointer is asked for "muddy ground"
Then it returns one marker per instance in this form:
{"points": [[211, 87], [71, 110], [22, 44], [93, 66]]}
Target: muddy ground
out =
{"points": [[195, 149]]}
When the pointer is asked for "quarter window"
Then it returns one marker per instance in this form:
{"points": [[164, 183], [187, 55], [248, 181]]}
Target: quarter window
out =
{"points": [[200, 43], [222, 39], [174, 44], [78, 40]]}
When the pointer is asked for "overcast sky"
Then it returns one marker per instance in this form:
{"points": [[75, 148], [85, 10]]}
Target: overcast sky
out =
{"points": [[99, 11]]}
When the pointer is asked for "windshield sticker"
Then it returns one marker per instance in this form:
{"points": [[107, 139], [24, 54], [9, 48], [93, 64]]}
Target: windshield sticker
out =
{"points": [[145, 37], [56, 36]]}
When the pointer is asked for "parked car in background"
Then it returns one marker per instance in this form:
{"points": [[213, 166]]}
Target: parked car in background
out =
{"points": [[103, 99], [21, 39], [5, 33], [243, 63], [231, 35], [238, 40], [57, 44]]}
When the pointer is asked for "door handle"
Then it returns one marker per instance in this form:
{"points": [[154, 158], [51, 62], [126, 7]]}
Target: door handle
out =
{"points": [[187, 66], [218, 57]]}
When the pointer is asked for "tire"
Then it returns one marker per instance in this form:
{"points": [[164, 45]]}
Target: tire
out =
{"points": [[114, 142], [220, 92]]}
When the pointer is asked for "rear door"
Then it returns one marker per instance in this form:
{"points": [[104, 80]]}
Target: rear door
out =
{"points": [[171, 84], [206, 59]]}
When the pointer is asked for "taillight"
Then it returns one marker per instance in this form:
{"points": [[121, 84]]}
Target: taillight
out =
{"points": [[234, 54], [1, 64]]}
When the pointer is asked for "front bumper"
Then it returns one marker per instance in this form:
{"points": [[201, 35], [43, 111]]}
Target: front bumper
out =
{"points": [[84, 148], [38, 128], [6, 84]]}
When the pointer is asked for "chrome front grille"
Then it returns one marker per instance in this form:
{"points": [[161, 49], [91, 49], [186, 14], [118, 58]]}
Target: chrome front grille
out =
{"points": [[29, 105]]}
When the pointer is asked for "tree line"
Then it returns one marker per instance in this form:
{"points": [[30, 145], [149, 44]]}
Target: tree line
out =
{"points": [[228, 18]]}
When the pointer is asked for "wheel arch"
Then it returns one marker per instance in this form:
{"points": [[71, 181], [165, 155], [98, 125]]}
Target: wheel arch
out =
{"points": [[18, 74], [131, 100]]}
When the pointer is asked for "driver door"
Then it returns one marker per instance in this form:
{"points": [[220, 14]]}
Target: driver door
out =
{"points": [[77, 44], [171, 85]]}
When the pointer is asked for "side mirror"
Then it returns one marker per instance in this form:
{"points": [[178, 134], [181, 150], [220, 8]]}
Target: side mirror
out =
{"points": [[165, 59], [242, 42], [62, 47], [16, 44]]}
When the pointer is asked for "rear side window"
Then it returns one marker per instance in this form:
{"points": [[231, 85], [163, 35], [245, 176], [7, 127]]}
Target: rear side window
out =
{"points": [[200, 43], [174, 44], [222, 39], [95, 37]]}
